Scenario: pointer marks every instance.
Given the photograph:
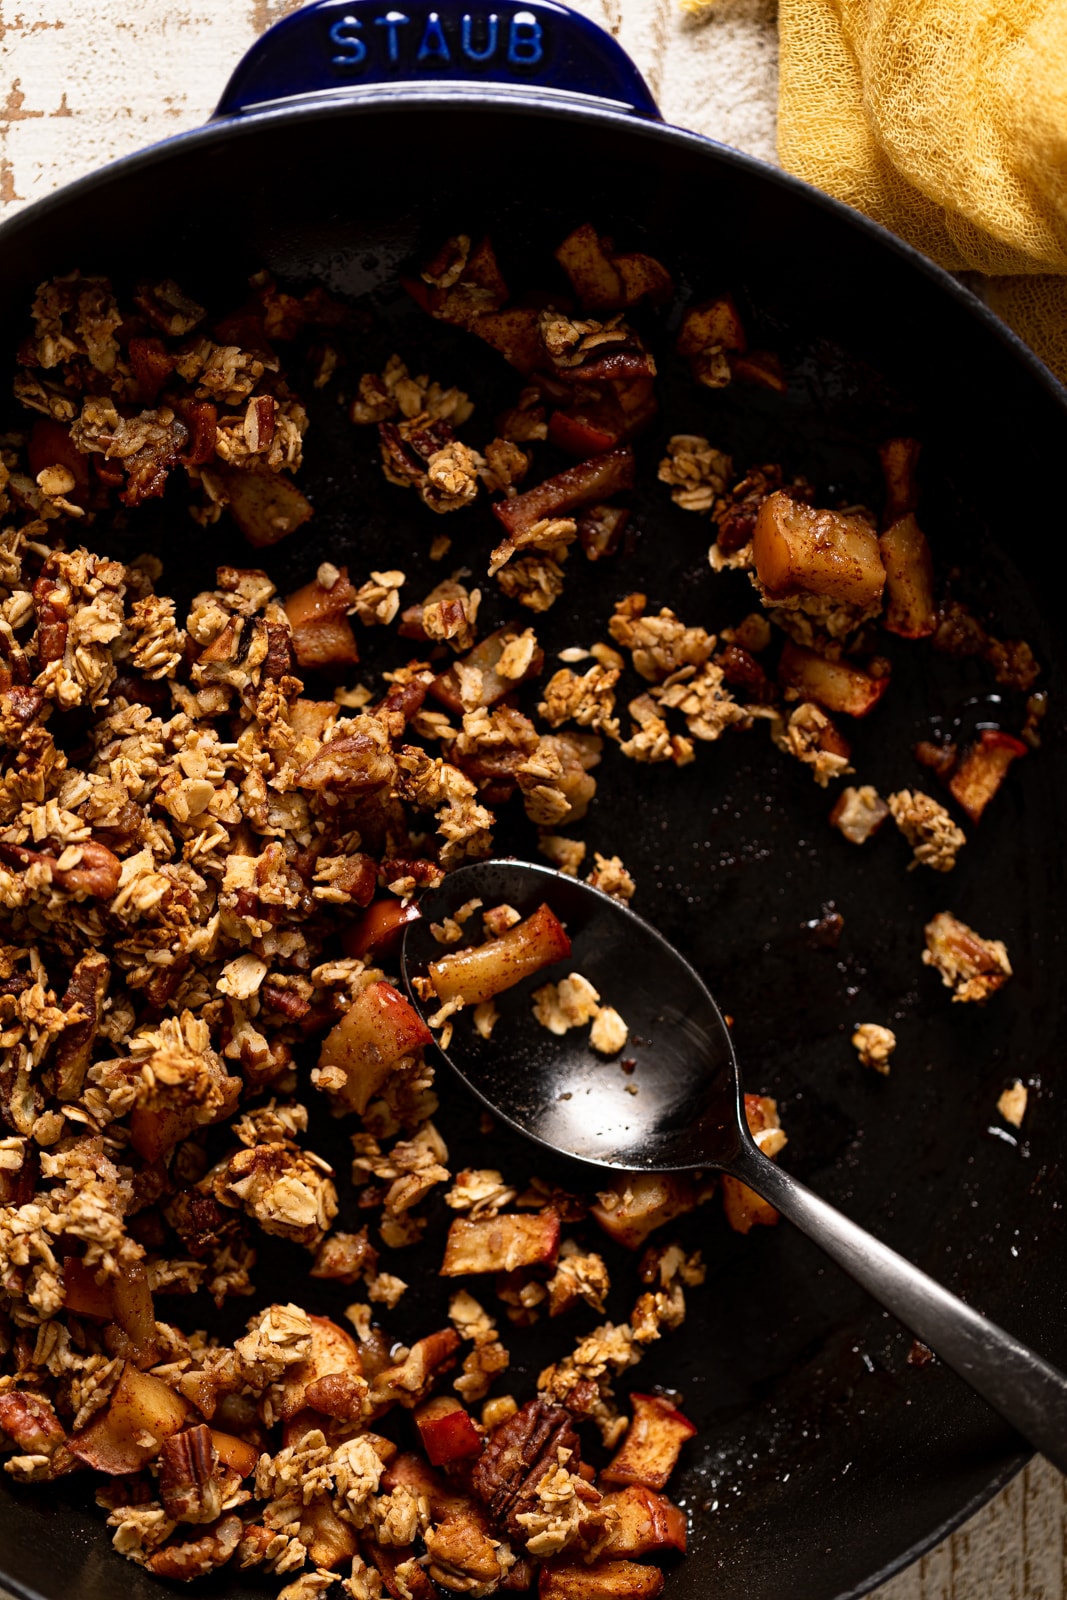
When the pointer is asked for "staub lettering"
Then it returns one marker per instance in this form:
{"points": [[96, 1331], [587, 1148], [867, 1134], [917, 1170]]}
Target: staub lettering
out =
{"points": [[399, 39]]}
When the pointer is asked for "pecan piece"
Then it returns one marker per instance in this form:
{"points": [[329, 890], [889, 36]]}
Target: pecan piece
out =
{"points": [[337, 1394], [51, 622], [344, 1256], [31, 1422], [518, 1455], [427, 874], [741, 670], [279, 658], [96, 874], [74, 1047], [200, 1222], [19, 706], [349, 763], [189, 1485], [402, 701], [194, 1558]]}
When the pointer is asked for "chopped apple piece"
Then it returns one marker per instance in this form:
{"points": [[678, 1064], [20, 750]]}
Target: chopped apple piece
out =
{"points": [[485, 970], [799, 549], [459, 290], [909, 580], [833, 684], [859, 813], [714, 323], [83, 1295], [744, 1208], [409, 1381], [600, 530], [125, 1300], [607, 1580], [329, 1541], [761, 368], [649, 1452], [594, 280], [318, 617], [642, 1201], [501, 1244], [136, 1314], [142, 1413], [596, 479], [971, 966], [378, 1028], [485, 658], [266, 506], [605, 281], [461, 1539], [154, 1134], [309, 719], [641, 1523], [50, 445], [379, 930], [586, 431], [235, 1453], [982, 769], [447, 1430], [334, 1353], [515, 333], [643, 277]]}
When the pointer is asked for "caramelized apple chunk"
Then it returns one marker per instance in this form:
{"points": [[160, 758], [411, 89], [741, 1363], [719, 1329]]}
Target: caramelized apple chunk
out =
{"points": [[379, 1028], [649, 1452], [982, 768], [502, 1243], [744, 1208], [799, 549], [480, 971]]}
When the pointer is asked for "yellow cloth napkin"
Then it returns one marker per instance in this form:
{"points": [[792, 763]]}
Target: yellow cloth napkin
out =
{"points": [[945, 120]]}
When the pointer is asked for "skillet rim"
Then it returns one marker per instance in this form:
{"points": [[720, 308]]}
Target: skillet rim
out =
{"points": [[566, 108], [497, 99]]}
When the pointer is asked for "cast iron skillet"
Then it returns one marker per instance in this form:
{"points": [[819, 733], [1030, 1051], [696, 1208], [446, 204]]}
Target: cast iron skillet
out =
{"points": [[825, 1460]]}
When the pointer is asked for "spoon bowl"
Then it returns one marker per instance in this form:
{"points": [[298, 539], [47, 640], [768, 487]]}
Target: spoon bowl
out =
{"points": [[672, 1100], [669, 1100]]}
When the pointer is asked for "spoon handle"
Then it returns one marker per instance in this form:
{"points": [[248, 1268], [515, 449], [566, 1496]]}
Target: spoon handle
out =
{"points": [[1027, 1392]]}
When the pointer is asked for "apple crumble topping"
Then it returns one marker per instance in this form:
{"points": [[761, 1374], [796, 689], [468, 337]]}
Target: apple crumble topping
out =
{"points": [[811, 737], [214, 827]]}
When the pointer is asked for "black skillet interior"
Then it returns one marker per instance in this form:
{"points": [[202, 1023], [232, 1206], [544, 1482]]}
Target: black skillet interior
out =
{"points": [[824, 1458]]}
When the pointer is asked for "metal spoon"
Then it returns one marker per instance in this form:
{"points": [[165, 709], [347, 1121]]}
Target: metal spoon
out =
{"points": [[688, 1112]]}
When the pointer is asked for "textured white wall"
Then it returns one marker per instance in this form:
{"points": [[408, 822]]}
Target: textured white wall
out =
{"points": [[85, 81]]}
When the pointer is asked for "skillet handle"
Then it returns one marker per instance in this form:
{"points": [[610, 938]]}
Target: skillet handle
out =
{"points": [[1026, 1390], [344, 46]]}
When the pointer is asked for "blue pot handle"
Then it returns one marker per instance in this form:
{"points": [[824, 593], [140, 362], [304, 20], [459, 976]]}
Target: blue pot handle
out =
{"points": [[342, 46]]}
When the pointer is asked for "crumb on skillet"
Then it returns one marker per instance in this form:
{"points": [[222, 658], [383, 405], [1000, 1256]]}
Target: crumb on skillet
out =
{"points": [[972, 967], [1012, 1103], [875, 1045], [934, 837], [858, 813]]}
